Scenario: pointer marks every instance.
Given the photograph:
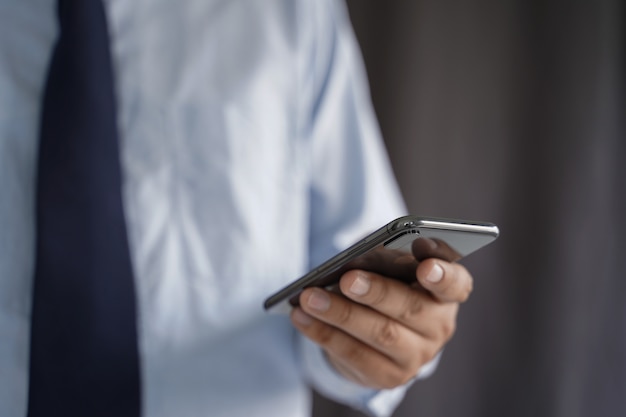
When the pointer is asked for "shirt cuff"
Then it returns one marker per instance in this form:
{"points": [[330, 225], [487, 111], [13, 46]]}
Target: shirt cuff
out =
{"points": [[328, 382]]}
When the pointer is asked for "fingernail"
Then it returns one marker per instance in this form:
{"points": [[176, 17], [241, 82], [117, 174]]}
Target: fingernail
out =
{"points": [[361, 285], [301, 317], [319, 300], [435, 275]]}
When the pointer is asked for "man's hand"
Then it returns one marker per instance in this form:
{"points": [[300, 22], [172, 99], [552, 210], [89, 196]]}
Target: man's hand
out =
{"points": [[380, 332]]}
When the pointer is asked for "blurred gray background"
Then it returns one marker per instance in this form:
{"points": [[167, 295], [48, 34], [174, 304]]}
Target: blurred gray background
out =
{"points": [[513, 111]]}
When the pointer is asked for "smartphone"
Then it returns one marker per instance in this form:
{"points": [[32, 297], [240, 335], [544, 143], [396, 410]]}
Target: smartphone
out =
{"points": [[394, 250]]}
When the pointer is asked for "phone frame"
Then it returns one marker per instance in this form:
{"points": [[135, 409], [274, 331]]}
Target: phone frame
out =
{"points": [[404, 229]]}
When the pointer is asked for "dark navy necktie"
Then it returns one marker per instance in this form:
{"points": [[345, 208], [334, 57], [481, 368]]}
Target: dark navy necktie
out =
{"points": [[84, 355]]}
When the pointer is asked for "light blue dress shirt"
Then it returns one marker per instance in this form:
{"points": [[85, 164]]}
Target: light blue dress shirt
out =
{"points": [[250, 153]]}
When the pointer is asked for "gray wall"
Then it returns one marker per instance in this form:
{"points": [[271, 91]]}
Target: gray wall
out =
{"points": [[513, 111]]}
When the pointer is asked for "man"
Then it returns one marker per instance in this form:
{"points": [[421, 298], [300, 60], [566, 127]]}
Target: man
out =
{"points": [[249, 153]]}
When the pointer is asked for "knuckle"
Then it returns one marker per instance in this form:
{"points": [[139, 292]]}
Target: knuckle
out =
{"points": [[468, 290], [426, 355], [412, 308], [461, 287], [324, 335], [448, 328], [343, 314], [387, 334], [352, 353]]}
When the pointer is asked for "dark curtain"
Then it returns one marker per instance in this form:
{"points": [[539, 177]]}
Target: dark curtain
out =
{"points": [[513, 111]]}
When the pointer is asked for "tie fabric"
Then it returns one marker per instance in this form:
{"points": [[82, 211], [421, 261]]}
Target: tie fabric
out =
{"points": [[84, 355]]}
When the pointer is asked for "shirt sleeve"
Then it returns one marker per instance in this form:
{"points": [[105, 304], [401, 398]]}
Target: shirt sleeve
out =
{"points": [[352, 186], [353, 189], [328, 382]]}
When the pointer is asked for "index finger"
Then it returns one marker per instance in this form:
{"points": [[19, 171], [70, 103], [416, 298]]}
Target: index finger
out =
{"points": [[413, 307]]}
